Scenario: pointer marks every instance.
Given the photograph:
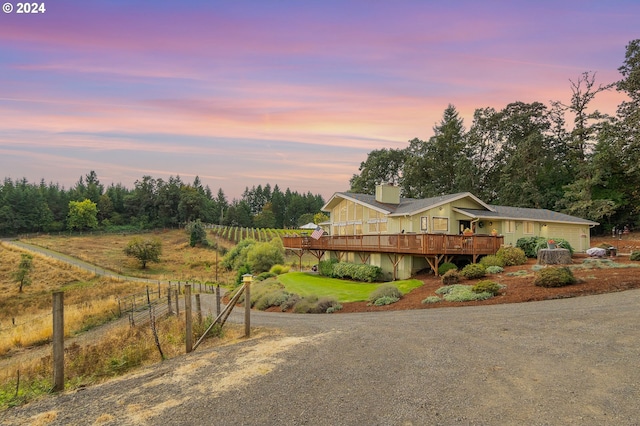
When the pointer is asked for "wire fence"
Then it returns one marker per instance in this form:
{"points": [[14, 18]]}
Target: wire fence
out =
{"points": [[151, 328], [13, 322]]}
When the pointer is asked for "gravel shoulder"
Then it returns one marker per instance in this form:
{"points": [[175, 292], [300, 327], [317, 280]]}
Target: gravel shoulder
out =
{"points": [[565, 362]]}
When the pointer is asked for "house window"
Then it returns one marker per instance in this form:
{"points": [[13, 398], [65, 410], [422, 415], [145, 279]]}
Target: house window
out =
{"points": [[440, 224], [377, 225], [424, 221], [377, 221], [509, 226], [528, 227], [358, 229], [359, 210], [343, 213]]}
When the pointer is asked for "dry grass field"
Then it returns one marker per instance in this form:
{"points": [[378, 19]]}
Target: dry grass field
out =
{"points": [[179, 261], [25, 318], [90, 300]]}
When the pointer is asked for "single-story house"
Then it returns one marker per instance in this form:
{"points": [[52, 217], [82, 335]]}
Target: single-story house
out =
{"points": [[405, 235]]}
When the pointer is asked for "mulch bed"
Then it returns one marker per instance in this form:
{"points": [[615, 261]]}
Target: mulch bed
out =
{"points": [[519, 288]]}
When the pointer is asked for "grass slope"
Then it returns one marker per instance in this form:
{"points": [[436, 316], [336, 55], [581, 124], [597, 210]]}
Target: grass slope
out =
{"points": [[306, 284]]}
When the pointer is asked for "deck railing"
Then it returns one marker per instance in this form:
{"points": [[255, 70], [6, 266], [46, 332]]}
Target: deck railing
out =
{"points": [[420, 244]]}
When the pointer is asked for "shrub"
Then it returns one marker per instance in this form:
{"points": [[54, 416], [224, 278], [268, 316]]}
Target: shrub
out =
{"points": [[512, 256], [237, 255], [272, 298], [385, 300], [334, 308], [486, 286], [325, 267], [263, 276], [384, 290], [242, 270], [473, 270], [598, 263], [491, 260], [446, 266], [635, 255], [357, 272], [313, 305], [461, 293], [494, 269], [290, 302], [452, 276], [279, 269], [531, 245], [305, 305], [431, 299], [528, 245], [554, 277], [262, 256]]}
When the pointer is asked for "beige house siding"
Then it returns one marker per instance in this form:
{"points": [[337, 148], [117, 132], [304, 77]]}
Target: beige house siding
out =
{"points": [[355, 215], [467, 203], [577, 236]]}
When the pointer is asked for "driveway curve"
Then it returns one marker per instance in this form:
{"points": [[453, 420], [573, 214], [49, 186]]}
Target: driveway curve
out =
{"points": [[77, 262], [559, 362]]}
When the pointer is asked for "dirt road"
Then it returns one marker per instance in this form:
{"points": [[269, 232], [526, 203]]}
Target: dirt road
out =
{"points": [[561, 362]]}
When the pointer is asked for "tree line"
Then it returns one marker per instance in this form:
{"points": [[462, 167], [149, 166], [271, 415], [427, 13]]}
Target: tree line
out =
{"points": [[152, 203], [565, 157]]}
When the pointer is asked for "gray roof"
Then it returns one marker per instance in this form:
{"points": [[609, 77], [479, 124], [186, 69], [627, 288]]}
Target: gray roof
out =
{"points": [[539, 215], [406, 206], [410, 206]]}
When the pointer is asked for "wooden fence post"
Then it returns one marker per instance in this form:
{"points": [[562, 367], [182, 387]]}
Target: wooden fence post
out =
{"points": [[218, 300], [169, 301], [177, 303], [198, 309], [247, 278], [58, 341], [188, 318]]}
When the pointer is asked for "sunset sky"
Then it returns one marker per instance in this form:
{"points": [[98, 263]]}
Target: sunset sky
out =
{"points": [[294, 93]]}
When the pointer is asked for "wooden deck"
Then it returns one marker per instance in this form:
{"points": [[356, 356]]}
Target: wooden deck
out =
{"points": [[414, 244]]}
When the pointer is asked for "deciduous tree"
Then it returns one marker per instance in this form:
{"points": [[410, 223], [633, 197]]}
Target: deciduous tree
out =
{"points": [[82, 215], [144, 249], [382, 166], [21, 276]]}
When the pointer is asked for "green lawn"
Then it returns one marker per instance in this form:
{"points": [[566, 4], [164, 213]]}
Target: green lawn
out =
{"points": [[306, 284]]}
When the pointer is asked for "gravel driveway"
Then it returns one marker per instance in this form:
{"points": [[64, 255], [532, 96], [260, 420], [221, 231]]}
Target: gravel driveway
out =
{"points": [[561, 362]]}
